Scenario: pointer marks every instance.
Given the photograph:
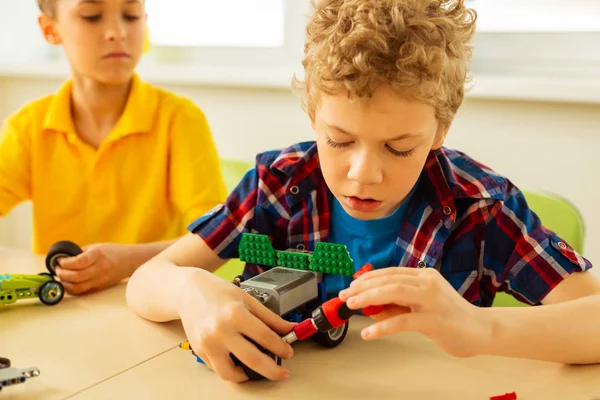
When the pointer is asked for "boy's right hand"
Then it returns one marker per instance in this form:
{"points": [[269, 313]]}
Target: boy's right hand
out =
{"points": [[216, 315]]}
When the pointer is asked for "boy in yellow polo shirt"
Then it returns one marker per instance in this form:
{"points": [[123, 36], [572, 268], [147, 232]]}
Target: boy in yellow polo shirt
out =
{"points": [[109, 162]]}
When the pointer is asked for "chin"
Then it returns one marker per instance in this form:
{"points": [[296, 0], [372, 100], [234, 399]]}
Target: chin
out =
{"points": [[114, 78]]}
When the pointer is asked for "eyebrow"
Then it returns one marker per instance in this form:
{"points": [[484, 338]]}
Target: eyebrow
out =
{"points": [[399, 137]]}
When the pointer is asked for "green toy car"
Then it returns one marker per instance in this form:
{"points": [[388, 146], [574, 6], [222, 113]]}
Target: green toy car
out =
{"points": [[15, 287], [20, 287]]}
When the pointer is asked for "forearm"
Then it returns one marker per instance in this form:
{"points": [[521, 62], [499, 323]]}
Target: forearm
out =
{"points": [[155, 289], [138, 254], [567, 333]]}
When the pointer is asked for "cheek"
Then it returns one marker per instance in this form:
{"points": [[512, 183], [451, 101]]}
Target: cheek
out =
{"points": [[332, 164], [136, 34]]}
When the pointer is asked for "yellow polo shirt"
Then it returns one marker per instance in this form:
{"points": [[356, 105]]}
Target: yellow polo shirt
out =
{"points": [[155, 173]]}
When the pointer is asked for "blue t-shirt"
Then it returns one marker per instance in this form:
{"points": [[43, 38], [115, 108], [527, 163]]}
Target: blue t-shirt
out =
{"points": [[368, 241]]}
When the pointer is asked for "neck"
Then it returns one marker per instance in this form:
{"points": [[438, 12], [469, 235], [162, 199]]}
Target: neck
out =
{"points": [[96, 107]]}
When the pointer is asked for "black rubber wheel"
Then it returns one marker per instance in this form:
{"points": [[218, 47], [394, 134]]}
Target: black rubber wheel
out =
{"points": [[331, 338], [4, 363], [253, 375], [47, 275], [59, 250], [51, 293]]}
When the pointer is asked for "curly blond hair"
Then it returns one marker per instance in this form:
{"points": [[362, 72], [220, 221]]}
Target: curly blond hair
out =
{"points": [[47, 7], [419, 48]]}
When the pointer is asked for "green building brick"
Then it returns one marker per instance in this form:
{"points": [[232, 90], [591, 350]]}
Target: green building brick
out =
{"points": [[257, 249], [293, 259], [332, 258]]}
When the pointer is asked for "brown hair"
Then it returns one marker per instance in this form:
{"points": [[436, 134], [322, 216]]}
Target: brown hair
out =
{"points": [[47, 7], [419, 48]]}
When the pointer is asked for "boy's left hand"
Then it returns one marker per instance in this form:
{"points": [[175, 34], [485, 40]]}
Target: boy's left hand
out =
{"points": [[99, 266], [420, 300]]}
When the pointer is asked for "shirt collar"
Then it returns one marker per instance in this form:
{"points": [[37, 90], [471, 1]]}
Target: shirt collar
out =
{"points": [[137, 116]]}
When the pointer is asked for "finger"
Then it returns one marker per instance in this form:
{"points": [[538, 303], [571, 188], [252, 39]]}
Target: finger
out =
{"points": [[81, 261], [255, 329], [76, 276], [271, 319], [389, 311], [410, 322], [249, 354], [394, 293], [361, 286], [79, 288], [222, 364]]}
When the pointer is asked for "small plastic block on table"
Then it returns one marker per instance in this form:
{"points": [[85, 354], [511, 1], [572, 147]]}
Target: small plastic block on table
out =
{"points": [[257, 249], [332, 258], [507, 396], [12, 376], [293, 259]]}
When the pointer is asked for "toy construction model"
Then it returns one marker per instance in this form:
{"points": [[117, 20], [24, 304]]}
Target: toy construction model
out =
{"points": [[44, 286], [13, 376], [295, 289]]}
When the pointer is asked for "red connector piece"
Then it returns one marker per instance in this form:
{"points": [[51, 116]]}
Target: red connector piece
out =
{"points": [[507, 396], [363, 270], [371, 310]]}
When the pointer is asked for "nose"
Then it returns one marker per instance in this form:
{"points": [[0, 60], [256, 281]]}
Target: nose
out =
{"points": [[115, 30], [366, 168]]}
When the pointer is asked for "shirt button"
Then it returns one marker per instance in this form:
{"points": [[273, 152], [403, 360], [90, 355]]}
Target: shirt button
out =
{"points": [[447, 210], [562, 245], [295, 190], [421, 264]]}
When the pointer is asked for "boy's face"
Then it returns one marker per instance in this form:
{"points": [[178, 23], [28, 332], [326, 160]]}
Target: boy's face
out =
{"points": [[372, 152], [103, 39]]}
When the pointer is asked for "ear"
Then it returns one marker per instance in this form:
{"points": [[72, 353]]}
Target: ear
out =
{"points": [[48, 28], [440, 136]]}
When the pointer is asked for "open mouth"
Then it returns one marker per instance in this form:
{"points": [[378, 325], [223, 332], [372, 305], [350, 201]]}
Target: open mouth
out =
{"points": [[363, 205]]}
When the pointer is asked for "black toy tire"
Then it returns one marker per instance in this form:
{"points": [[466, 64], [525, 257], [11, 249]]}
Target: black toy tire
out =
{"points": [[4, 363], [58, 250], [253, 375], [331, 338]]}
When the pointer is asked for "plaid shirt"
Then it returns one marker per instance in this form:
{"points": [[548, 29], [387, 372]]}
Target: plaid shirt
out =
{"points": [[466, 221]]}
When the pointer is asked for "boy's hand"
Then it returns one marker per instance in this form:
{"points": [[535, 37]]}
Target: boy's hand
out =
{"points": [[420, 300], [216, 315], [99, 266]]}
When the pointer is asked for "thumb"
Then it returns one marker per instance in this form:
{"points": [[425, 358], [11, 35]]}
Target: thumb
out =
{"points": [[81, 261], [271, 319]]}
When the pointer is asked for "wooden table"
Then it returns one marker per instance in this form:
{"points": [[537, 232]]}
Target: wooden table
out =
{"points": [[77, 343], [93, 347]]}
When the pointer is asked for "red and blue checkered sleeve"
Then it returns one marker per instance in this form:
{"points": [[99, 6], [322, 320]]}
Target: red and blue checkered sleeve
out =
{"points": [[222, 227], [527, 259]]}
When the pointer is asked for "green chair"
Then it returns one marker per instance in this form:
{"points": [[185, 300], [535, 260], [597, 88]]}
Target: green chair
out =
{"points": [[233, 171], [558, 215]]}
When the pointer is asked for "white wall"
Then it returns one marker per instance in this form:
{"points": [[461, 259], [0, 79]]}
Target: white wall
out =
{"points": [[548, 146]]}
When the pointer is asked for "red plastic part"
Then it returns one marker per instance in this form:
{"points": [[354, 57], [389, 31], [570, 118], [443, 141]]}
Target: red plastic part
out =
{"points": [[372, 310], [330, 310], [305, 329], [363, 270], [507, 396]]}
